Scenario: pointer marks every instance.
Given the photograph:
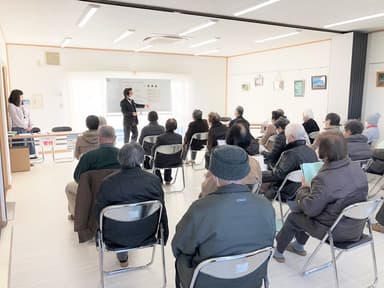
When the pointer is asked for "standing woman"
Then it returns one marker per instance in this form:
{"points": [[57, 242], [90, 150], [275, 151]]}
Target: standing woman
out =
{"points": [[128, 108], [20, 119]]}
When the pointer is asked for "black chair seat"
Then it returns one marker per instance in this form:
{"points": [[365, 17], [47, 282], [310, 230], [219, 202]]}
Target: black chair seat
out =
{"points": [[352, 244], [115, 247]]}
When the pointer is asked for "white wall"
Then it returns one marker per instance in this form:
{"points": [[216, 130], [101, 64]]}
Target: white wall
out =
{"points": [[331, 58], [295, 63], [200, 81], [373, 100]]}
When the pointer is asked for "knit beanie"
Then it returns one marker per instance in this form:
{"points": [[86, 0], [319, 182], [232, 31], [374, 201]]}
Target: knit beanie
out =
{"points": [[373, 119], [229, 162]]}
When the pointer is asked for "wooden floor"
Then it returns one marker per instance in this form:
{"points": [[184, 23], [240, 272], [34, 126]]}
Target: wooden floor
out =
{"points": [[45, 252]]}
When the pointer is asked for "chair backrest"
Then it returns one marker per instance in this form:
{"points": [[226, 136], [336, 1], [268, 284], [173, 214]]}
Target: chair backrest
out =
{"points": [[232, 267], [202, 136], [131, 212], [169, 149], [314, 134], [61, 129], [295, 176], [364, 163], [359, 211], [221, 142], [150, 139]]}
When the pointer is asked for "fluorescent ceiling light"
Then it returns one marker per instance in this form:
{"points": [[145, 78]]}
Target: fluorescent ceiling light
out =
{"points": [[355, 20], [200, 27], [207, 52], [264, 4], [277, 37], [87, 15], [65, 42], [144, 48], [205, 42], [124, 35]]}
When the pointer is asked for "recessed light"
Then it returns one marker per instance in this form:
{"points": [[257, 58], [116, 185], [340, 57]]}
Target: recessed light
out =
{"points": [[124, 35], [277, 37], [200, 27], [65, 42], [87, 15], [248, 10], [144, 48], [208, 52], [355, 20], [213, 40]]}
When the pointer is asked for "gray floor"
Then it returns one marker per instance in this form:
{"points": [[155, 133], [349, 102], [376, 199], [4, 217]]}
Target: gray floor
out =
{"points": [[46, 253]]}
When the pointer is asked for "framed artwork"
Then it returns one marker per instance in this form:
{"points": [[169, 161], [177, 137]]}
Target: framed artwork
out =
{"points": [[299, 88], [245, 87], [278, 85], [259, 81], [319, 82], [380, 79]]}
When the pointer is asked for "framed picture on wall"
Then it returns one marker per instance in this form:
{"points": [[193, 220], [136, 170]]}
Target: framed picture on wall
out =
{"points": [[299, 88], [245, 87], [319, 82], [380, 79], [259, 81]]}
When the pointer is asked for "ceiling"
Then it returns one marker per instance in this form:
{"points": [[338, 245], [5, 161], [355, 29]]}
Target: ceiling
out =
{"points": [[48, 22]]}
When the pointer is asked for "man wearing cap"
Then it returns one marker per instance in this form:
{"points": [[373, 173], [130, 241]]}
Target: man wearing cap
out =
{"points": [[372, 131], [229, 221]]}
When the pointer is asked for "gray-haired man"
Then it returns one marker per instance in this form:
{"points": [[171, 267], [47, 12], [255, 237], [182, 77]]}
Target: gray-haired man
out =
{"points": [[130, 185], [104, 157]]}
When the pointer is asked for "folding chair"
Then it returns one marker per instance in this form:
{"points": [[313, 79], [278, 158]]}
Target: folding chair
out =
{"points": [[170, 150], [130, 213], [233, 267], [64, 141], [358, 211], [364, 163], [148, 142], [202, 138], [294, 176], [313, 135]]}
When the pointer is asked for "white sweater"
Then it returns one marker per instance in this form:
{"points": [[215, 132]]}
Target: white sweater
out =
{"points": [[19, 116]]}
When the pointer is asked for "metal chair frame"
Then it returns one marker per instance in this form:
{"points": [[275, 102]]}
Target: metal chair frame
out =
{"points": [[150, 139], [358, 211], [200, 136], [294, 176], [364, 163], [115, 213], [169, 150], [226, 267], [313, 135]]}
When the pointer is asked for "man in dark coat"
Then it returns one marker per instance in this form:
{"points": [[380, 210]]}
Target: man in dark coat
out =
{"points": [[239, 111], [128, 108], [163, 161], [130, 185], [358, 147], [296, 153], [339, 183], [214, 226], [198, 125], [310, 124], [216, 132]]}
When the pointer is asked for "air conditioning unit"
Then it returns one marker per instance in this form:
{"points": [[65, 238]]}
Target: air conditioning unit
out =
{"points": [[163, 39]]}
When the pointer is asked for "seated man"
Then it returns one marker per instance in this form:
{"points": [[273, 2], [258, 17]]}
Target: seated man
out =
{"points": [[331, 123], [239, 111], [372, 131], [296, 153], [152, 129], [357, 143], [90, 138], [339, 183], [130, 185], [168, 138], [278, 146], [198, 125], [270, 129], [309, 123], [217, 131], [104, 157], [214, 226]]}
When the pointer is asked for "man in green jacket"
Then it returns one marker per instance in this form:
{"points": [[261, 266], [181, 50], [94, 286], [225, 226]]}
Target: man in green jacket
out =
{"points": [[232, 220], [104, 157]]}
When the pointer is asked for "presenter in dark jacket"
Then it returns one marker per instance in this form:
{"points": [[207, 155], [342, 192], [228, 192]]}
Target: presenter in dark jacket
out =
{"points": [[168, 138], [198, 125], [128, 108], [339, 183], [130, 185], [214, 226]]}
